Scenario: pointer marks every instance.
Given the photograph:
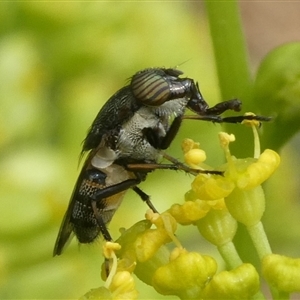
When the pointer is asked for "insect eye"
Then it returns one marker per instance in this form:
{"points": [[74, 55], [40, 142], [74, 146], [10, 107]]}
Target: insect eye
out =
{"points": [[151, 87]]}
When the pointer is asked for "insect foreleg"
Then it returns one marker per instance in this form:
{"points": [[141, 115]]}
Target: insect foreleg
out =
{"points": [[171, 133], [221, 107], [219, 119]]}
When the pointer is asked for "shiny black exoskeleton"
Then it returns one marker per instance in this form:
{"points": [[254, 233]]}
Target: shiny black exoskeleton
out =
{"points": [[125, 142]]}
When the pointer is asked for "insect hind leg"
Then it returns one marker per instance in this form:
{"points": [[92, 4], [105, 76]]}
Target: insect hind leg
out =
{"points": [[105, 193], [145, 197], [100, 222]]}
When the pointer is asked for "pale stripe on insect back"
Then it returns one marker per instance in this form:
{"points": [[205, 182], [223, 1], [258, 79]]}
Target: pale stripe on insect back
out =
{"points": [[150, 88]]}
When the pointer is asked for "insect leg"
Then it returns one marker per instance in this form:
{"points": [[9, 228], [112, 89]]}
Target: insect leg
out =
{"points": [[107, 192], [100, 194], [145, 198], [115, 189], [176, 165], [233, 104], [239, 119], [100, 222], [234, 119], [171, 133]]}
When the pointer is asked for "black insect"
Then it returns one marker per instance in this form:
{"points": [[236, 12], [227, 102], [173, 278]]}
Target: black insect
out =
{"points": [[126, 142]]}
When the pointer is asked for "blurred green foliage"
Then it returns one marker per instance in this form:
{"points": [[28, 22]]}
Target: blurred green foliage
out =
{"points": [[59, 62]]}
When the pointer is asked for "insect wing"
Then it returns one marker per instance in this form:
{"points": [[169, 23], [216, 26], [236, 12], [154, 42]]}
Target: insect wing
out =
{"points": [[66, 228], [118, 109], [80, 219]]}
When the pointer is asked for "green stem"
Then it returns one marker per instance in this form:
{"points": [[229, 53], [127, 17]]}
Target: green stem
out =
{"points": [[230, 255], [232, 259], [262, 246], [230, 49], [259, 239], [232, 63]]}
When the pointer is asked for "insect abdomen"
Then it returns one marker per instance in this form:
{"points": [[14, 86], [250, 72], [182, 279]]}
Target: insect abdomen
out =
{"points": [[84, 222], [83, 219]]}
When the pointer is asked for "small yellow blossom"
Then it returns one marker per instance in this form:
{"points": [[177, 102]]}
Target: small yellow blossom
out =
{"points": [[193, 209], [109, 248], [225, 139], [259, 171], [282, 272], [143, 249], [212, 187], [241, 183], [123, 286], [147, 243], [189, 212], [185, 275], [189, 144], [194, 157], [239, 283], [119, 284], [176, 252]]}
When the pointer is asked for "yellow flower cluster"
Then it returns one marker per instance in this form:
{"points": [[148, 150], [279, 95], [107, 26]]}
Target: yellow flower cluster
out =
{"points": [[238, 190], [119, 284], [215, 204]]}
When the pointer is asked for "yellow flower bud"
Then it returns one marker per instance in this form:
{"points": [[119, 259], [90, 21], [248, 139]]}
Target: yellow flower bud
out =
{"points": [[126, 240], [282, 272], [194, 157], [189, 144], [189, 212], [123, 286], [149, 242], [212, 187], [259, 171], [185, 276], [176, 252], [109, 249], [226, 139], [239, 283], [217, 204]]}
